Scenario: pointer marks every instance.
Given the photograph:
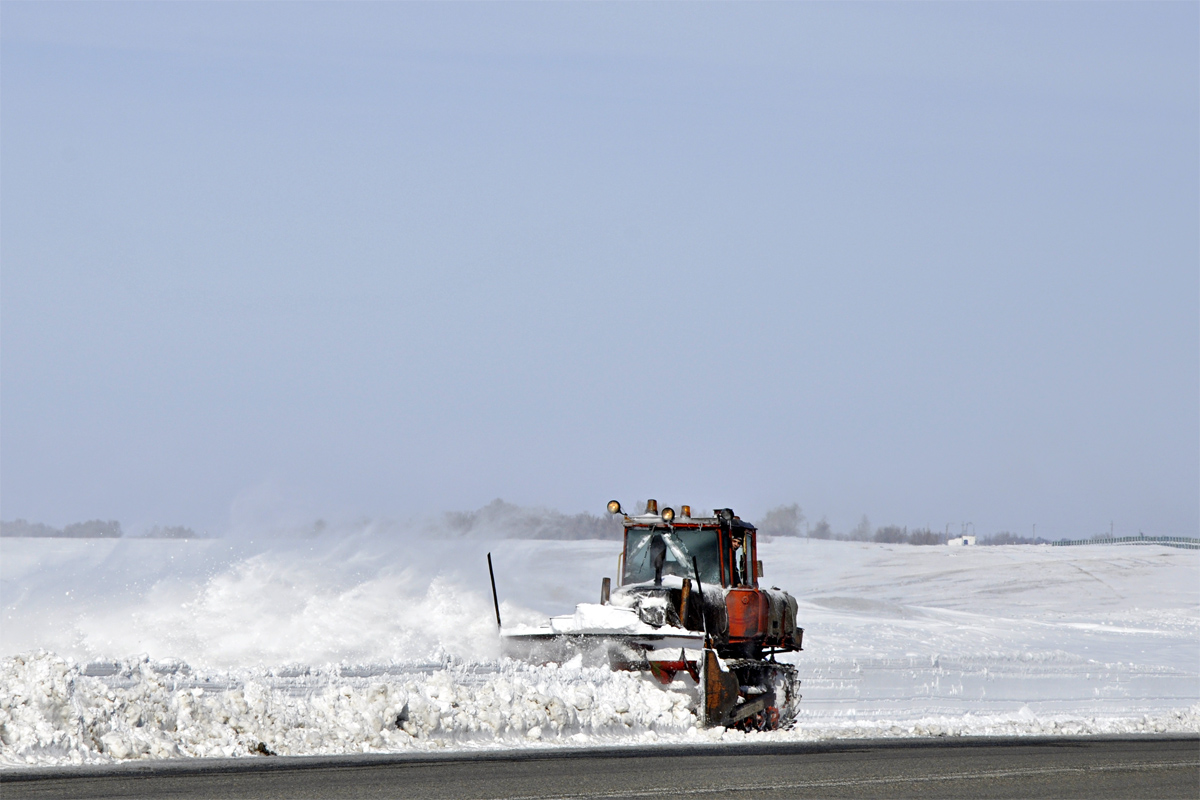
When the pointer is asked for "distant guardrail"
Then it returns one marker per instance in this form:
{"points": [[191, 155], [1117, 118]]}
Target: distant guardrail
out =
{"points": [[1186, 542]]}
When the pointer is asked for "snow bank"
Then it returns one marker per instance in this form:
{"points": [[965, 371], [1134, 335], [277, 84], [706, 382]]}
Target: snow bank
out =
{"points": [[53, 713]]}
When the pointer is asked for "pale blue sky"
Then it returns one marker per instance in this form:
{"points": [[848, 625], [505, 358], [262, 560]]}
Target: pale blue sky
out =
{"points": [[931, 263]]}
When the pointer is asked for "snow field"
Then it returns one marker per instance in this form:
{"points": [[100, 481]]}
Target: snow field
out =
{"points": [[360, 642]]}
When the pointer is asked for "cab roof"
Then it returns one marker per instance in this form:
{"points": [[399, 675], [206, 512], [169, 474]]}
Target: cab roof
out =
{"points": [[657, 521]]}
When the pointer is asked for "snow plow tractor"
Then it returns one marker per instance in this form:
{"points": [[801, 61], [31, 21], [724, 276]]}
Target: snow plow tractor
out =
{"points": [[686, 605]]}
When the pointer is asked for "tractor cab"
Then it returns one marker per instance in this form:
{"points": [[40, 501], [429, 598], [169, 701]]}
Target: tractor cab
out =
{"points": [[715, 551], [701, 573]]}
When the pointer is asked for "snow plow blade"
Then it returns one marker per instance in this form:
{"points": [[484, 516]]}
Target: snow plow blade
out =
{"points": [[640, 651]]}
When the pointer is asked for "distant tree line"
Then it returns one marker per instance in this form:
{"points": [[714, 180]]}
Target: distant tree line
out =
{"points": [[510, 521], [786, 521], [499, 519], [172, 532], [1004, 537], [92, 529]]}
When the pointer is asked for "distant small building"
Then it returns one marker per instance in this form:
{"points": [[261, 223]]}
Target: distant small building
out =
{"points": [[961, 541]]}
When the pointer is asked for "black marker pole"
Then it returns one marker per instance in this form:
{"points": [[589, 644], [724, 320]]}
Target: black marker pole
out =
{"points": [[495, 601]]}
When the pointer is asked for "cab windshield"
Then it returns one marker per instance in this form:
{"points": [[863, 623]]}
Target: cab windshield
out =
{"points": [[682, 547]]}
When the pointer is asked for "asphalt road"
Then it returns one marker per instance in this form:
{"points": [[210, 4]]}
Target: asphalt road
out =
{"points": [[1093, 767]]}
